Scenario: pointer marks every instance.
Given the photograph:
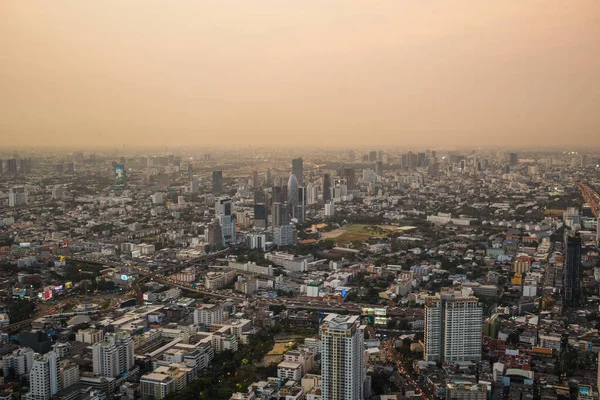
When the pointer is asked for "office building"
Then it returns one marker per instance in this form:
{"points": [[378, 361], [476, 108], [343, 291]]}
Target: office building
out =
{"points": [[120, 177], [453, 329], [572, 272], [17, 196], [69, 374], [297, 170], [378, 168], [342, 352], [329, 210], [300, 212], [326, 188], [255, 181], [350, 175], [71, 168], [513, 159], [292, 195], [214, 236], [113, 356], [223, 212], [284, 235], [279, 215], [11, 166], [190, 173], [260, 215], [268, 177], [208, 314], [217, 182], [372, 156], [44, 377], [312, 194], [1, 167]]}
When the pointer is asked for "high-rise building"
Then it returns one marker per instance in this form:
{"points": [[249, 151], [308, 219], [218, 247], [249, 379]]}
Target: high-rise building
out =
{"points": [[260, 215], [297, 170], [113, 356], [453, 329], [421, 159], [217, 182], [255, 182], [1, 167], [214, 236], [18, 363], [350, 175], [120, 178], [372, 156], [598, 232], [11, 166], [17, 196], [279, 214], [268, 177], [342, 352], [326, 188], [223, 212], [312, 194], [190, 173], [58, 192], [513, 159], [44, 377], [71, 168], [292, 195], [573, 275], [378, 168], [300, 212]]}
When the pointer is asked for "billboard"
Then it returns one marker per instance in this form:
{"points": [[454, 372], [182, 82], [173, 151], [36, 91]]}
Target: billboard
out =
{"points": [[119, 175], [68, 285]]}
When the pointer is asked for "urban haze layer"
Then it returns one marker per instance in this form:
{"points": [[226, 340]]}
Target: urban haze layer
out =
{"points": [[247, 274]]}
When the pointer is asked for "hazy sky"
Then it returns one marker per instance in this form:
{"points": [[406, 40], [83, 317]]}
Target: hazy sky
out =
{"points": [[303, 72]]}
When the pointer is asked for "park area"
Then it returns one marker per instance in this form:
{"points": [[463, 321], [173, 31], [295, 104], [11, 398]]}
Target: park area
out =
{"points": [[360, 232]]}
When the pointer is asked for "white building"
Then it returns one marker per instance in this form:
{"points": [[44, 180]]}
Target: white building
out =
{"points": [[342, 352], [257, 241], [114, 355], [89, 336], [17, 196], [44, 378], [156, 386], [208, 314], [157, 198], [288, 370], [18, 363], [329, 210], [453, 329], [284, 235]]}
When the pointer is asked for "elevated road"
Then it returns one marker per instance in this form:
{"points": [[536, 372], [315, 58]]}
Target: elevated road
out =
{"points": [[590, 196]]}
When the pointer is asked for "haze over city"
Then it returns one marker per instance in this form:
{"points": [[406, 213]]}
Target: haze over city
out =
{"points": [[300, 73]]}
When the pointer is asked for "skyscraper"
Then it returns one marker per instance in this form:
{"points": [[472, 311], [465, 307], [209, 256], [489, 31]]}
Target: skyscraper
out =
{"points": [[297, 170], [268, 177], [44, 377], [373, 156], [17, 196], [572, 272], [223, 212], [513, 159], [114, 355], [350, 175], [342, 364], [11, 166], [260, 215], [453, 328], [217, 182], [120, 178], [278, 214], [379, 168], [190, 173], [300, 212], [326, 188], [292, 195]]}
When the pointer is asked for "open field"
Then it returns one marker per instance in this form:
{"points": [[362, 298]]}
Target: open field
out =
{"points": [[359, 232]]}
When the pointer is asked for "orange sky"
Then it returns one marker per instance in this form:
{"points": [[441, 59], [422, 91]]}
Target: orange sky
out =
{"points": [[300, 73]]}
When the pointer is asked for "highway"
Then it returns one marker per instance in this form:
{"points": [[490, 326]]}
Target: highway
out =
{"points": [[590, 196], [162, 275]]}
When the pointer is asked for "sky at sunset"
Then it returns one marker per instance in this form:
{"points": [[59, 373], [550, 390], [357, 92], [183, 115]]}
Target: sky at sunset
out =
{"points": [[303, 73]]}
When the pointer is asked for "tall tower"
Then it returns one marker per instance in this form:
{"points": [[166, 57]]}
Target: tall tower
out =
{"points": [[217, 182], [292, 195], [350, 175], [326, 188], [342, 364], [297, 169], [513, 159], [224, 212], [453, 328], [572, 272], [44, 377], [190, 173]]}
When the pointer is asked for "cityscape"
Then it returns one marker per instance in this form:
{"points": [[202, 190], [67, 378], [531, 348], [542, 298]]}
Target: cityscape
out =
{"points": [[308, 200], [359, 274]]}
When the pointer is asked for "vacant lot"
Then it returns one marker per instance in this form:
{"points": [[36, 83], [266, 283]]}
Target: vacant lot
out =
{"points": [[358, 232]]}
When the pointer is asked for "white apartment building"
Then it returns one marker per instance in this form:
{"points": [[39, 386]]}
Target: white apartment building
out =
{"points": [[17, 196], [342, 352], [114, 355], [208, 314], [18, 363], [89, 336], [156, 386], [453, 329], [44, 377]]}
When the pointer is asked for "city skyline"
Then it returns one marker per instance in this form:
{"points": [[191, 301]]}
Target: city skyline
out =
{"points": [[299, 74]]}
